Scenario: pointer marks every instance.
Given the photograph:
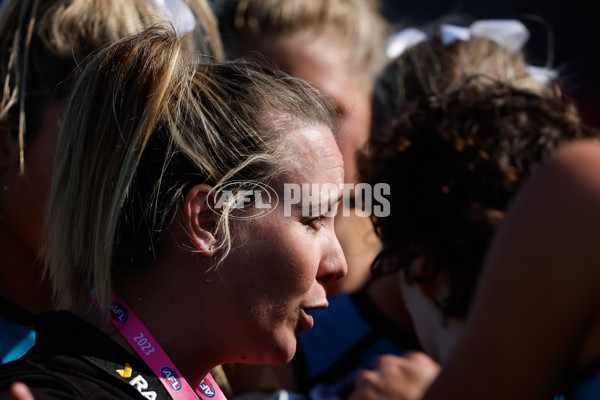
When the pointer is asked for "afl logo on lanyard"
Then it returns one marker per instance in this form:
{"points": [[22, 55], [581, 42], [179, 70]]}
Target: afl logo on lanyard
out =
{"points": [[205, 389], [118, 312], [171, 378]]}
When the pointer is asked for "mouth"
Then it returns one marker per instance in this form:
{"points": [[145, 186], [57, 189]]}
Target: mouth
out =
{"points": [[306, 320]]}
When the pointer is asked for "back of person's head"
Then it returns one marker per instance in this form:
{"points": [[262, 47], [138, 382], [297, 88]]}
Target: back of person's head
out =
{"points": [[432, 67], [453, 161], [146, 122], [43, 43], [355, 27]]}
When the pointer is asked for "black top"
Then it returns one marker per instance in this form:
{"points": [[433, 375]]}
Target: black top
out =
{"points": [[73, 360], [15, 314]]}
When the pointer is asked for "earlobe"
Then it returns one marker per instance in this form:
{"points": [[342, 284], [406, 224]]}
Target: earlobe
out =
{"points": [[200, 219]]}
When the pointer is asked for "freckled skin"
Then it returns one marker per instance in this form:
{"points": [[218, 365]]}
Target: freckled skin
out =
{"points": [[286, 261], [322, 61]]}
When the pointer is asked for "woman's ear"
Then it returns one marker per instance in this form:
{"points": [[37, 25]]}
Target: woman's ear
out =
{"points": [[199, 219]]}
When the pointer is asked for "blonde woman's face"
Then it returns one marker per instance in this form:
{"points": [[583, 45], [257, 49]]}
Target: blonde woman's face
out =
{"points": [[284, 262]]}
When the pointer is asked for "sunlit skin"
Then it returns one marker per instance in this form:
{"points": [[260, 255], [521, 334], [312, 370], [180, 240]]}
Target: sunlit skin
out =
{"points": [[252, 307], [290, 259], [318, 58]]}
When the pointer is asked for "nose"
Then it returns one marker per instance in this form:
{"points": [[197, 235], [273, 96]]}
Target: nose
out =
{"points": [[333, 264]]}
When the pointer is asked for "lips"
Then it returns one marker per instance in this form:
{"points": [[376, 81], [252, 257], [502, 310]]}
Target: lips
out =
{"points": [[306, 320]]}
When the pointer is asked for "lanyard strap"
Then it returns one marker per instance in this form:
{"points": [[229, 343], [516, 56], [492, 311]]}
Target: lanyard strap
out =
{"points": [[140, 339]]}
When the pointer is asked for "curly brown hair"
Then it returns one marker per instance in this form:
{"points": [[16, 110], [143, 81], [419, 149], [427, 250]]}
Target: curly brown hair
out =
{"points": [[453, 162]]}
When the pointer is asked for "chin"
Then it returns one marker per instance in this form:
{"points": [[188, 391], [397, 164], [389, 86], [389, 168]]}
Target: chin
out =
{"points": [[284, 350]]}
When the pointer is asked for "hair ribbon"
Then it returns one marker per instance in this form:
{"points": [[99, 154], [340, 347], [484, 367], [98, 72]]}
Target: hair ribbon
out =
{"points": [[177, 13], [402, 40], [508, 33]]}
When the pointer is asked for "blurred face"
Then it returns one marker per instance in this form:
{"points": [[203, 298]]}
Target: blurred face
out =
{"points": [[22, 203], [323, 62], [284, 262], [24, 196]]}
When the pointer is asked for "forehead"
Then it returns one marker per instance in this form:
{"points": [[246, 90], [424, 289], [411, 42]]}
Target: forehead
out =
{"points": [[321, 58], [313, 155]]}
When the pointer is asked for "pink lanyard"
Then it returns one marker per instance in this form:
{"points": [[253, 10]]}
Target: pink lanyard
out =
{"points": [[136, 334]]}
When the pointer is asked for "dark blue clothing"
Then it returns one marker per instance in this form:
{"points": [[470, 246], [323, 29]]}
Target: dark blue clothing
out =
{"points": [[347, 338], [586, 387]]}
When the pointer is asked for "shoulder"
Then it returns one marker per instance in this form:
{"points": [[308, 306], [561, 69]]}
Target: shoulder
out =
{"points": [[557, 214], [64, 377], [537, 295], [44, 381]]}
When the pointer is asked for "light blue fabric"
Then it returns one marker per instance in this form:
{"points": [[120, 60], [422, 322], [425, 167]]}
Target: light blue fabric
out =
{"points": [[15, 340]]}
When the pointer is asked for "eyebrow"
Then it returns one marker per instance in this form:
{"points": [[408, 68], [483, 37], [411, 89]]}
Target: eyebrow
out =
{"points": [[328, 204], [331, 202]]}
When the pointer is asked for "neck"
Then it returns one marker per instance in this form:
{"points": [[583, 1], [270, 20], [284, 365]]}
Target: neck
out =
{"points": [[177, 307], [165, 335], [385, 293], [21, 274], [437, 334]]}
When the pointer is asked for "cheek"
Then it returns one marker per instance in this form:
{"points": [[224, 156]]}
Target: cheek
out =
{"points": [[279, 273], [293, 278], [353, 135]]}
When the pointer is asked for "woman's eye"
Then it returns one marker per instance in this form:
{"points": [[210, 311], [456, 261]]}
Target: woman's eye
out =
{"points": [[316, 223]]}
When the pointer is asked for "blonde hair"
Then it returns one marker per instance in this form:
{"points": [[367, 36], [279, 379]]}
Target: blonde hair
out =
{"points": [[360, 27], [145, 123], [43, 42]]}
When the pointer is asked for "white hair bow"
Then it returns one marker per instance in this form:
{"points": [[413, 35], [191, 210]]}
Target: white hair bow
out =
{"points": [[508, 33], [177, 13], [400, 41]]}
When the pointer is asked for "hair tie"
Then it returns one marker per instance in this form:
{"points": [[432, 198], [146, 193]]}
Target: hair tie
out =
{"points": [[177, 13]]}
